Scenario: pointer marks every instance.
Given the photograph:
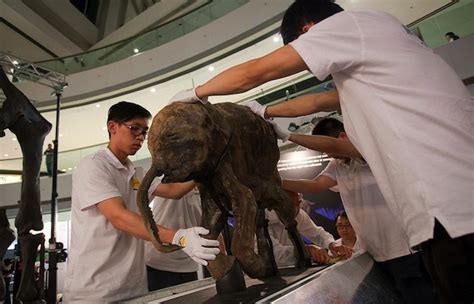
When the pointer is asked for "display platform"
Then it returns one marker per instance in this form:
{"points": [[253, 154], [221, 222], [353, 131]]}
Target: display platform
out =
{"points": [[357, 280]]}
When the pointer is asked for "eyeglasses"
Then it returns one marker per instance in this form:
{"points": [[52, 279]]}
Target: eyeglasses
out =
{"points": [[137, 130], [341, 226]]}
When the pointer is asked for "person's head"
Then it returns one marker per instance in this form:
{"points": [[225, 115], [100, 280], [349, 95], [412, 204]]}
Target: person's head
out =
{"points": [[344, 227], [330, 127], [50, 146], [303, 14], [296, 200], [450, 36], [127, 124]]}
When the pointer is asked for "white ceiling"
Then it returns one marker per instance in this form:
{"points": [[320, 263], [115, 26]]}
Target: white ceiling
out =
{"points": [[85, 126]]}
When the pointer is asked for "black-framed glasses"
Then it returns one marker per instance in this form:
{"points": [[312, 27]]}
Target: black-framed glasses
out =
{"points": [[137, 130], [343, 226]]}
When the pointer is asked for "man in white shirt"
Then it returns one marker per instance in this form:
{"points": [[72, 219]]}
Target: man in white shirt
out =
{"points": [[169, 269], [405, 110], [321, 240], [106, 256], [377, 227]]}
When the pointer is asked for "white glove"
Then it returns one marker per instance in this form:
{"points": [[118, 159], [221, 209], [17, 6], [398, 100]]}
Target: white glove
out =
{"points": [[281, 134], [256, 107], [188, 96], [193, 244]]}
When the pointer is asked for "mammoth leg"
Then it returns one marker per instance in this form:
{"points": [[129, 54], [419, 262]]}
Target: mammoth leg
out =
{"points": [[31, 136], [7, 236], [28, 290], [284, 210], [244, 207], [264, 243], [213, 219]]}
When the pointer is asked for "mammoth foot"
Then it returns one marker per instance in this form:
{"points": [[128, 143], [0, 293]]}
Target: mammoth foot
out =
{"points": [[221, 265], [28, 290], [232, 281]]}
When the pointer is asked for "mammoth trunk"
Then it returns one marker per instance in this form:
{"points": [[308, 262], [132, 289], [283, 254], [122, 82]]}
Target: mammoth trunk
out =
{"points": [[146, 213]]}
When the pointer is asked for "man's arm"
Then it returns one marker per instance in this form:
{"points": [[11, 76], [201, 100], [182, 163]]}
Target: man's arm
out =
{"points": [[318, 184], [305, 105], [130, 222], [174, 190], [280, 63], [326, 144]]}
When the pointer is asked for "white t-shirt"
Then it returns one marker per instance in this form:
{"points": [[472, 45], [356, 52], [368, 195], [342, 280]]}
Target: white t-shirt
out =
{"points": [[105, 264], [175, 214], [357, 249], [283, 248], [376, 226], [406, 111]]}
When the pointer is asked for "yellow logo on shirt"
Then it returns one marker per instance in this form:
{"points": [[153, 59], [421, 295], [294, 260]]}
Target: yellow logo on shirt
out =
{"points": [[182, 241], [135, 183]]}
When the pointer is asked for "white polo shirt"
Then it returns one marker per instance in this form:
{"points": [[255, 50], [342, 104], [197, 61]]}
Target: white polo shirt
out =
{"points": [[376, 226], [283, 248], [174, 214], [104, 264], [406, 111]]}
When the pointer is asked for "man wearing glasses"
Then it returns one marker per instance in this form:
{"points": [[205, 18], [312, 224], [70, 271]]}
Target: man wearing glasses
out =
{"points": [[106, 259]]}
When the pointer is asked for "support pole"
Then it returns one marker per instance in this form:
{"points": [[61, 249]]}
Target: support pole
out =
{"points": [[52, 250]]}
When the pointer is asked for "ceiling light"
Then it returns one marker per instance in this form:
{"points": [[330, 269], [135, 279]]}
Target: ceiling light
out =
{"points": [[210, 68], [15, 62], [97, 105], [276, 38], [14, 138], [153, 90], [69, 169], [5, 154], [60, 135], [135, 50]]}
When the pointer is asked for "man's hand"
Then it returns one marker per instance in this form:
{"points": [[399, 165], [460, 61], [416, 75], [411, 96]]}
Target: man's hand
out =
{"points": [[188, 96], [281, 134], [256, 107], [318, 254], [340, 251], [198, 248]]}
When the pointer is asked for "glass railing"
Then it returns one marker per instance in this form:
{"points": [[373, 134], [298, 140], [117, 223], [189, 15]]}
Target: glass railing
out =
{"points": [[164, 33]]}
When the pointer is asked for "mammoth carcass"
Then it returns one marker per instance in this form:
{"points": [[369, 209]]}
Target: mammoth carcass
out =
{"points": [[233, 154]]}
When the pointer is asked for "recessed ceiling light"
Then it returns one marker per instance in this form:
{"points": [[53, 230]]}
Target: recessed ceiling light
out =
{"points": [[97, 105], [210, 68], [69, 169], [15, 62], [5, 154], [153, 90], [135, 50], [276, 38], [60, 135], [14, 138]]}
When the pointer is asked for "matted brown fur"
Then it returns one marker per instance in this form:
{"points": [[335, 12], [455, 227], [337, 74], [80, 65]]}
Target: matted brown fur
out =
{"points": [[233, 154]]}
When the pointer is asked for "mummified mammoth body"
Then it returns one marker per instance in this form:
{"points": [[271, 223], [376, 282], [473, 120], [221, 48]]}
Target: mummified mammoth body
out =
{"points": [[19, 116], [233, 154]]}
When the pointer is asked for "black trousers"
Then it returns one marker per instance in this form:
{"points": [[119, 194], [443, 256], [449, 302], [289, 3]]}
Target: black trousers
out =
{"points": [[410, 278], [158, 279], [450, 263]]}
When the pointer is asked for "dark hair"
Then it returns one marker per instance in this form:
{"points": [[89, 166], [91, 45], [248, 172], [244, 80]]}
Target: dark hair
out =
{"points": [[124, 111], [328, 127], [341, 214], [302, 12], [452, 35]]}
